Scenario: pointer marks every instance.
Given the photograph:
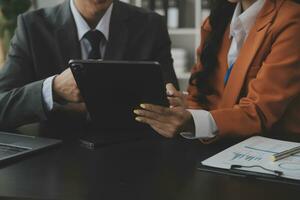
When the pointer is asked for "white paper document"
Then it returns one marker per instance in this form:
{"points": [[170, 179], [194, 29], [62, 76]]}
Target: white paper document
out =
{"points": [[258, 151]]}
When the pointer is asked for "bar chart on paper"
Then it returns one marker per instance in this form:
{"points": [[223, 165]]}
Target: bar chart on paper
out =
{"points": [[245, 156], [257, 151]]}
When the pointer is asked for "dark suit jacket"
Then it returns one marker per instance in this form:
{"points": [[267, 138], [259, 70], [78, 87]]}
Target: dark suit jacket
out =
{"points": [[46, 39]]}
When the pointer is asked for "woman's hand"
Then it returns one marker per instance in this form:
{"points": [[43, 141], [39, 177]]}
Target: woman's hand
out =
{"points": [[168, 122], [171, 121], [175, 97]]}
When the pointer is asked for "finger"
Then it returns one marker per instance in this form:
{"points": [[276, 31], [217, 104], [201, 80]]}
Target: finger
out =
{"points": [[151, 122], [186, 93], [155, 108], [75, 107], [158, 128], [175, 102], [75, 96], [171, 90], [161, 132], [154, 123], [164, 129], [151, 115]]}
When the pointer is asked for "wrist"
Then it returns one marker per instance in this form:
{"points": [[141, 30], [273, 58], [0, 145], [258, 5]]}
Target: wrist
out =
{"points": [[190, 125], [55, 90]]}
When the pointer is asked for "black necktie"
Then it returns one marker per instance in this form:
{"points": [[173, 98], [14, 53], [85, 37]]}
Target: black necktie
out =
{"points": [[94, 37]]}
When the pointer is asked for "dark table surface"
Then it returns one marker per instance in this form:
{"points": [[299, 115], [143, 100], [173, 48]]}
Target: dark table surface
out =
{"points": [[148, 169]]}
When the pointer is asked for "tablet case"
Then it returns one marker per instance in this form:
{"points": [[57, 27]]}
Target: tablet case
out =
{"points": [[113, 89]]}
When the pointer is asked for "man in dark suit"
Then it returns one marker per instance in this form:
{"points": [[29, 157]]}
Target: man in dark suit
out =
{"points": [[35, 79]]}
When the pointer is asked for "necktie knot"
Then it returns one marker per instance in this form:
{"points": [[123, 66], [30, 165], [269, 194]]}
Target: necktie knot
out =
{"points": [[94, 37]]}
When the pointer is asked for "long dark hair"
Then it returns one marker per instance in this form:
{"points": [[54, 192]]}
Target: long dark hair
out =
{"points": [[220, 17]]}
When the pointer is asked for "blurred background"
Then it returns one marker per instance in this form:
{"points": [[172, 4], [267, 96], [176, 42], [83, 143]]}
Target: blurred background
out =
{"points": [[183, 18]]}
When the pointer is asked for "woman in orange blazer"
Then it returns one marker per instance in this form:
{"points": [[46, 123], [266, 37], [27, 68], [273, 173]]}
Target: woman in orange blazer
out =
{"points": [[258, 94]]}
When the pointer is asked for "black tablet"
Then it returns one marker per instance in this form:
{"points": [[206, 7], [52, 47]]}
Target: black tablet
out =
{"points": [[113, 89]]}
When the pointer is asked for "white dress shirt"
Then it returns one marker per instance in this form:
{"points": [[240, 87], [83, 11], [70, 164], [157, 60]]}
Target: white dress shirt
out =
{"points": [[82, 29], [240, 27], [241, 24]]}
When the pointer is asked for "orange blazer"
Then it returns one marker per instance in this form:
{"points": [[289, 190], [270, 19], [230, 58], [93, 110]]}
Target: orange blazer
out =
{"points": [[263, 91]]}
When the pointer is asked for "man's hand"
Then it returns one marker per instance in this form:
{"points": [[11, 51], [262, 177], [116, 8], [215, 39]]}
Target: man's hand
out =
{"points": [[65, 88]]}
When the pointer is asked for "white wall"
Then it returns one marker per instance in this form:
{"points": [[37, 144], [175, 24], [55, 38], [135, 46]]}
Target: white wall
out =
{"points": [[47, 3]]}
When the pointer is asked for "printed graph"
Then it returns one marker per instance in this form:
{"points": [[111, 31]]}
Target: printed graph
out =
{"points": [[237, 156]]}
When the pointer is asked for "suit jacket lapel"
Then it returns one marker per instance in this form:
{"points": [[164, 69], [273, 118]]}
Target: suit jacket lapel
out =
{"points": [[118, 38], [254, 41], [66, 35]]}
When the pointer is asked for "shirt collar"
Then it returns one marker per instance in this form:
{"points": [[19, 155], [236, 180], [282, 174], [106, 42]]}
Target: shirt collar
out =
{"points": [[83, 27], [245, 20]]}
